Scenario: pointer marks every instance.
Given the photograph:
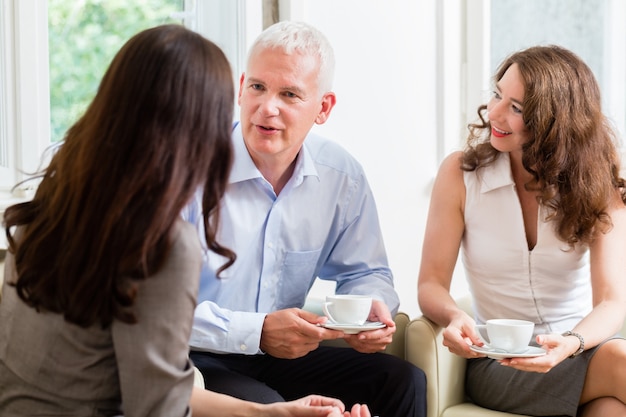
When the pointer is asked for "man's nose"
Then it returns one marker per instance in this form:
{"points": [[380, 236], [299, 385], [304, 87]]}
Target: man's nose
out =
{"points": [[269, 106]]}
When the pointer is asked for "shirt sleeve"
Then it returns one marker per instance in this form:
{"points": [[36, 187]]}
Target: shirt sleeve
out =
{"points": [[217, 329], [155, 373], [358, 261], [221, 330]]}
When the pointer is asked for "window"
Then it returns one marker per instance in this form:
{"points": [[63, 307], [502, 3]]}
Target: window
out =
{"points": [[27, 74], [45, 85], [83, 38], [73, 69], [22, 103]]}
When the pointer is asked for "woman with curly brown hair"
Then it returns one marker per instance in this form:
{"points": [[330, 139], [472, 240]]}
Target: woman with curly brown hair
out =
{"points": [[538, 207], [102, 273]]}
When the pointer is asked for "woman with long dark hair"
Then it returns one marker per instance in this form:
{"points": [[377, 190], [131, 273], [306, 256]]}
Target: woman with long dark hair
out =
{"points": [[102, 273]]}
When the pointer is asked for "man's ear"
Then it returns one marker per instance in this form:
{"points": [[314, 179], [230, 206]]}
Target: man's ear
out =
{"points": [[241, 80], [328, 102]]}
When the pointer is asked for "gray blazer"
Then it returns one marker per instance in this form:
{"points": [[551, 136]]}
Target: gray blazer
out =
{"points": [[51, 367]]}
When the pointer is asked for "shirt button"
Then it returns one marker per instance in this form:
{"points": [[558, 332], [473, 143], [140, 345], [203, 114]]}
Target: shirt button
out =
{"points": [[243, 347]]}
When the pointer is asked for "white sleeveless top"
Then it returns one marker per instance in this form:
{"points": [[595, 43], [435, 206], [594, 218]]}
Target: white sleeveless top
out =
{"points": [[549, 285]]}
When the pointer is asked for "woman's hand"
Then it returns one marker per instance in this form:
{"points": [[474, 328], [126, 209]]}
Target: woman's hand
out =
{"points": [[315, 406], [557, 347], [358, 410], [205, 403], [461, 334]]}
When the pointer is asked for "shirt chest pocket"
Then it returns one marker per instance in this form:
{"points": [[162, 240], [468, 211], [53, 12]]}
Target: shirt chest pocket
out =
{"points": [[296, 276]]}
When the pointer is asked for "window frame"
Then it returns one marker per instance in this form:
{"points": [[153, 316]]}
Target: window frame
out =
{"points": [[26, 133], [6, 146], [24, 71], [615, 70]]}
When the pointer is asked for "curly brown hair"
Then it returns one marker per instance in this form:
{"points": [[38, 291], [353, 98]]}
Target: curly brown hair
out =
{"points": [[571, 153], [158, 128]]}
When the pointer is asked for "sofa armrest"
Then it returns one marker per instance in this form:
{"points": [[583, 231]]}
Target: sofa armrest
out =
{"points": [[198, 379], [445, 372], [397, 347]]}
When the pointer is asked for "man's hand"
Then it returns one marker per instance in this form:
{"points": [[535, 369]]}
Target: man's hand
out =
{"points": [[374, 340], [293, 333]]}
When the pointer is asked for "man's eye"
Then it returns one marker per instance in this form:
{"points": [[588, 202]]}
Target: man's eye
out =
{"points": [[290, 94], [256, 86]]}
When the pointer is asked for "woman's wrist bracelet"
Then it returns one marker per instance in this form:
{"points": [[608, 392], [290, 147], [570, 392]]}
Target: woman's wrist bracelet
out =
{"points": [[581, 348]]}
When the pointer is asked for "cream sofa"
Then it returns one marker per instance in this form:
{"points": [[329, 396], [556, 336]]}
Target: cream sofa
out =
{"points": [[445, 372]]}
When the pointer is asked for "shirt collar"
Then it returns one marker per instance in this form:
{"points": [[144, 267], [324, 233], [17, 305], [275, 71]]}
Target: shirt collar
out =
{"points": [[501, 174], [244, 169]]}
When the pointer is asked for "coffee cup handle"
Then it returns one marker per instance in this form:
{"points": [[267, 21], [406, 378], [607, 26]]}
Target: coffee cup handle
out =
{"points": [[326, 309], [481, 329]]}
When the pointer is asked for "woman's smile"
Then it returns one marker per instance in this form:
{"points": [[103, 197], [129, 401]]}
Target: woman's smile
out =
{"points": [[499, 133]]}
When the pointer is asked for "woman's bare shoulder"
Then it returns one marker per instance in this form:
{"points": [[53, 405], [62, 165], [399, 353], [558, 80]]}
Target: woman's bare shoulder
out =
{"points": [[449, 187], [450, 168]]}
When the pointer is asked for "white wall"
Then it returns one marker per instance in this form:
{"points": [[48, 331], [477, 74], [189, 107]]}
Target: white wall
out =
{"points": [[385, 114]]}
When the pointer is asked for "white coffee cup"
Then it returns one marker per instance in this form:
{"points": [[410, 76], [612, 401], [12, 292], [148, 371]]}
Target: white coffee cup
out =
{"points": [[508, 335], [347, 308]]}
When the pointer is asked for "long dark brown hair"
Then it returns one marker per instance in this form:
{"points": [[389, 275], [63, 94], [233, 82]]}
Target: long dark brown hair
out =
{"points": [[572, 150], [158, 128]]}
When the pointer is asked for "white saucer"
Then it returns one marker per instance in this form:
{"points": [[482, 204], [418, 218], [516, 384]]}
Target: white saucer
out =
{"points": [[530, 352], [353, 328]]}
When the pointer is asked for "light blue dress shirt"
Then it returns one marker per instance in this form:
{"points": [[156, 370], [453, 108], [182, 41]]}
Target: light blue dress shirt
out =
{"points": [[323, 224]]}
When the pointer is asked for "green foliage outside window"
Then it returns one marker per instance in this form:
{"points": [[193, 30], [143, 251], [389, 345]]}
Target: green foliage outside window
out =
{"points": [[84, 36]]}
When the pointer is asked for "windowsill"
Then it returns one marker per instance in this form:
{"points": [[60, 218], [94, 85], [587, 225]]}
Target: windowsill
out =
{"points": [[6, 202], [7, 199]]}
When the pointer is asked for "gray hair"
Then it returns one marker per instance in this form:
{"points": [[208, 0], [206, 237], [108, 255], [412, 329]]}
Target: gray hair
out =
{"points": [[301, 37]]}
